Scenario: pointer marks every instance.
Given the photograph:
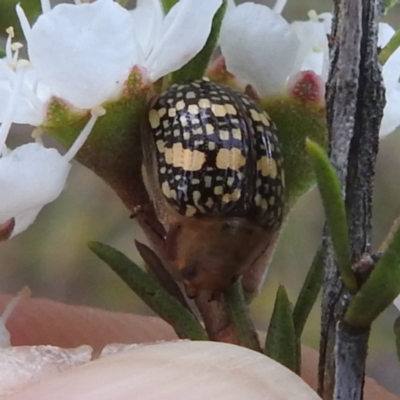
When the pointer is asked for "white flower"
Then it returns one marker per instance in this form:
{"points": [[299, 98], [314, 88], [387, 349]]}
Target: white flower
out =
{"points": [[391, 77], [31, 175], [259, 47], [263, 49], [84, 53], [33, 95]]}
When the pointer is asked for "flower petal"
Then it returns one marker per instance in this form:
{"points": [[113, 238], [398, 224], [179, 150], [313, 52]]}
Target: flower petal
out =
{"points": [[30, 177], [313, 51], [391, 71], [385, 33], [391, 113], [148, 18], [184, 33], [83, 52], [31, 102], [259, 47]]}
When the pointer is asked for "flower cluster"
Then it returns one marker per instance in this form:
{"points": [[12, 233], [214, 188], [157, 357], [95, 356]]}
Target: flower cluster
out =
{"points": [[261, 48], [83, 54]]}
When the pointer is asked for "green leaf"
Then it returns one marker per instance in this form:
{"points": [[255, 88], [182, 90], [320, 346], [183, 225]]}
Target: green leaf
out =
{"points": [[308, 293], [239, 313], [379, 291], [151, 292], [282, 343], [168, 4], [2, 52], [8, 16], [196, 67], [388, 4], [335, 212], [390, 48]]}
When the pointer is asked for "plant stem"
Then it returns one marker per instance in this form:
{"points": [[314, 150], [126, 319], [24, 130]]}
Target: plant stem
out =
{"points": [[351, 346], [355, 102]]}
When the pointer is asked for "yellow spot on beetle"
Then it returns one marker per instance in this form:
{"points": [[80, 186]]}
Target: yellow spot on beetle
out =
{"points": [[154, 119], [255, 115], [267, 166], [204, 103], [264, 119], [237, 133], [230, 109], [197, 131], [224, 135], [218, 190], [193, 109], [162, 112], [187, 159], [209, 129], [230, 158], [183, 120], [171, 112], [196, 197], [219, 110], [180, 105], [160, 146], [264, 204], [234, 196]]}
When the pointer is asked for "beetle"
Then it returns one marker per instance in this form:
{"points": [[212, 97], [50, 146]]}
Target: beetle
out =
{"points": [[213, 168]]}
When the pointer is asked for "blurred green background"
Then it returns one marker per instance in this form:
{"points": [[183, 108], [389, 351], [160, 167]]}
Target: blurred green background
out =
{"points": [[53, 260]]}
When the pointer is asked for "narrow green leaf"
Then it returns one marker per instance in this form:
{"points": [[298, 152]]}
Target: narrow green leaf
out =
{"points": [[151, 292], [196, 68], [168, 4], [308, 293], [335, 212], [379, 291], [282, 343], [239, 313], [2, 52], [390, 48]]}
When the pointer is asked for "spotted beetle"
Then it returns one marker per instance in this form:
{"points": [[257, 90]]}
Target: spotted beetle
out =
{"points": [[213, 168]]}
